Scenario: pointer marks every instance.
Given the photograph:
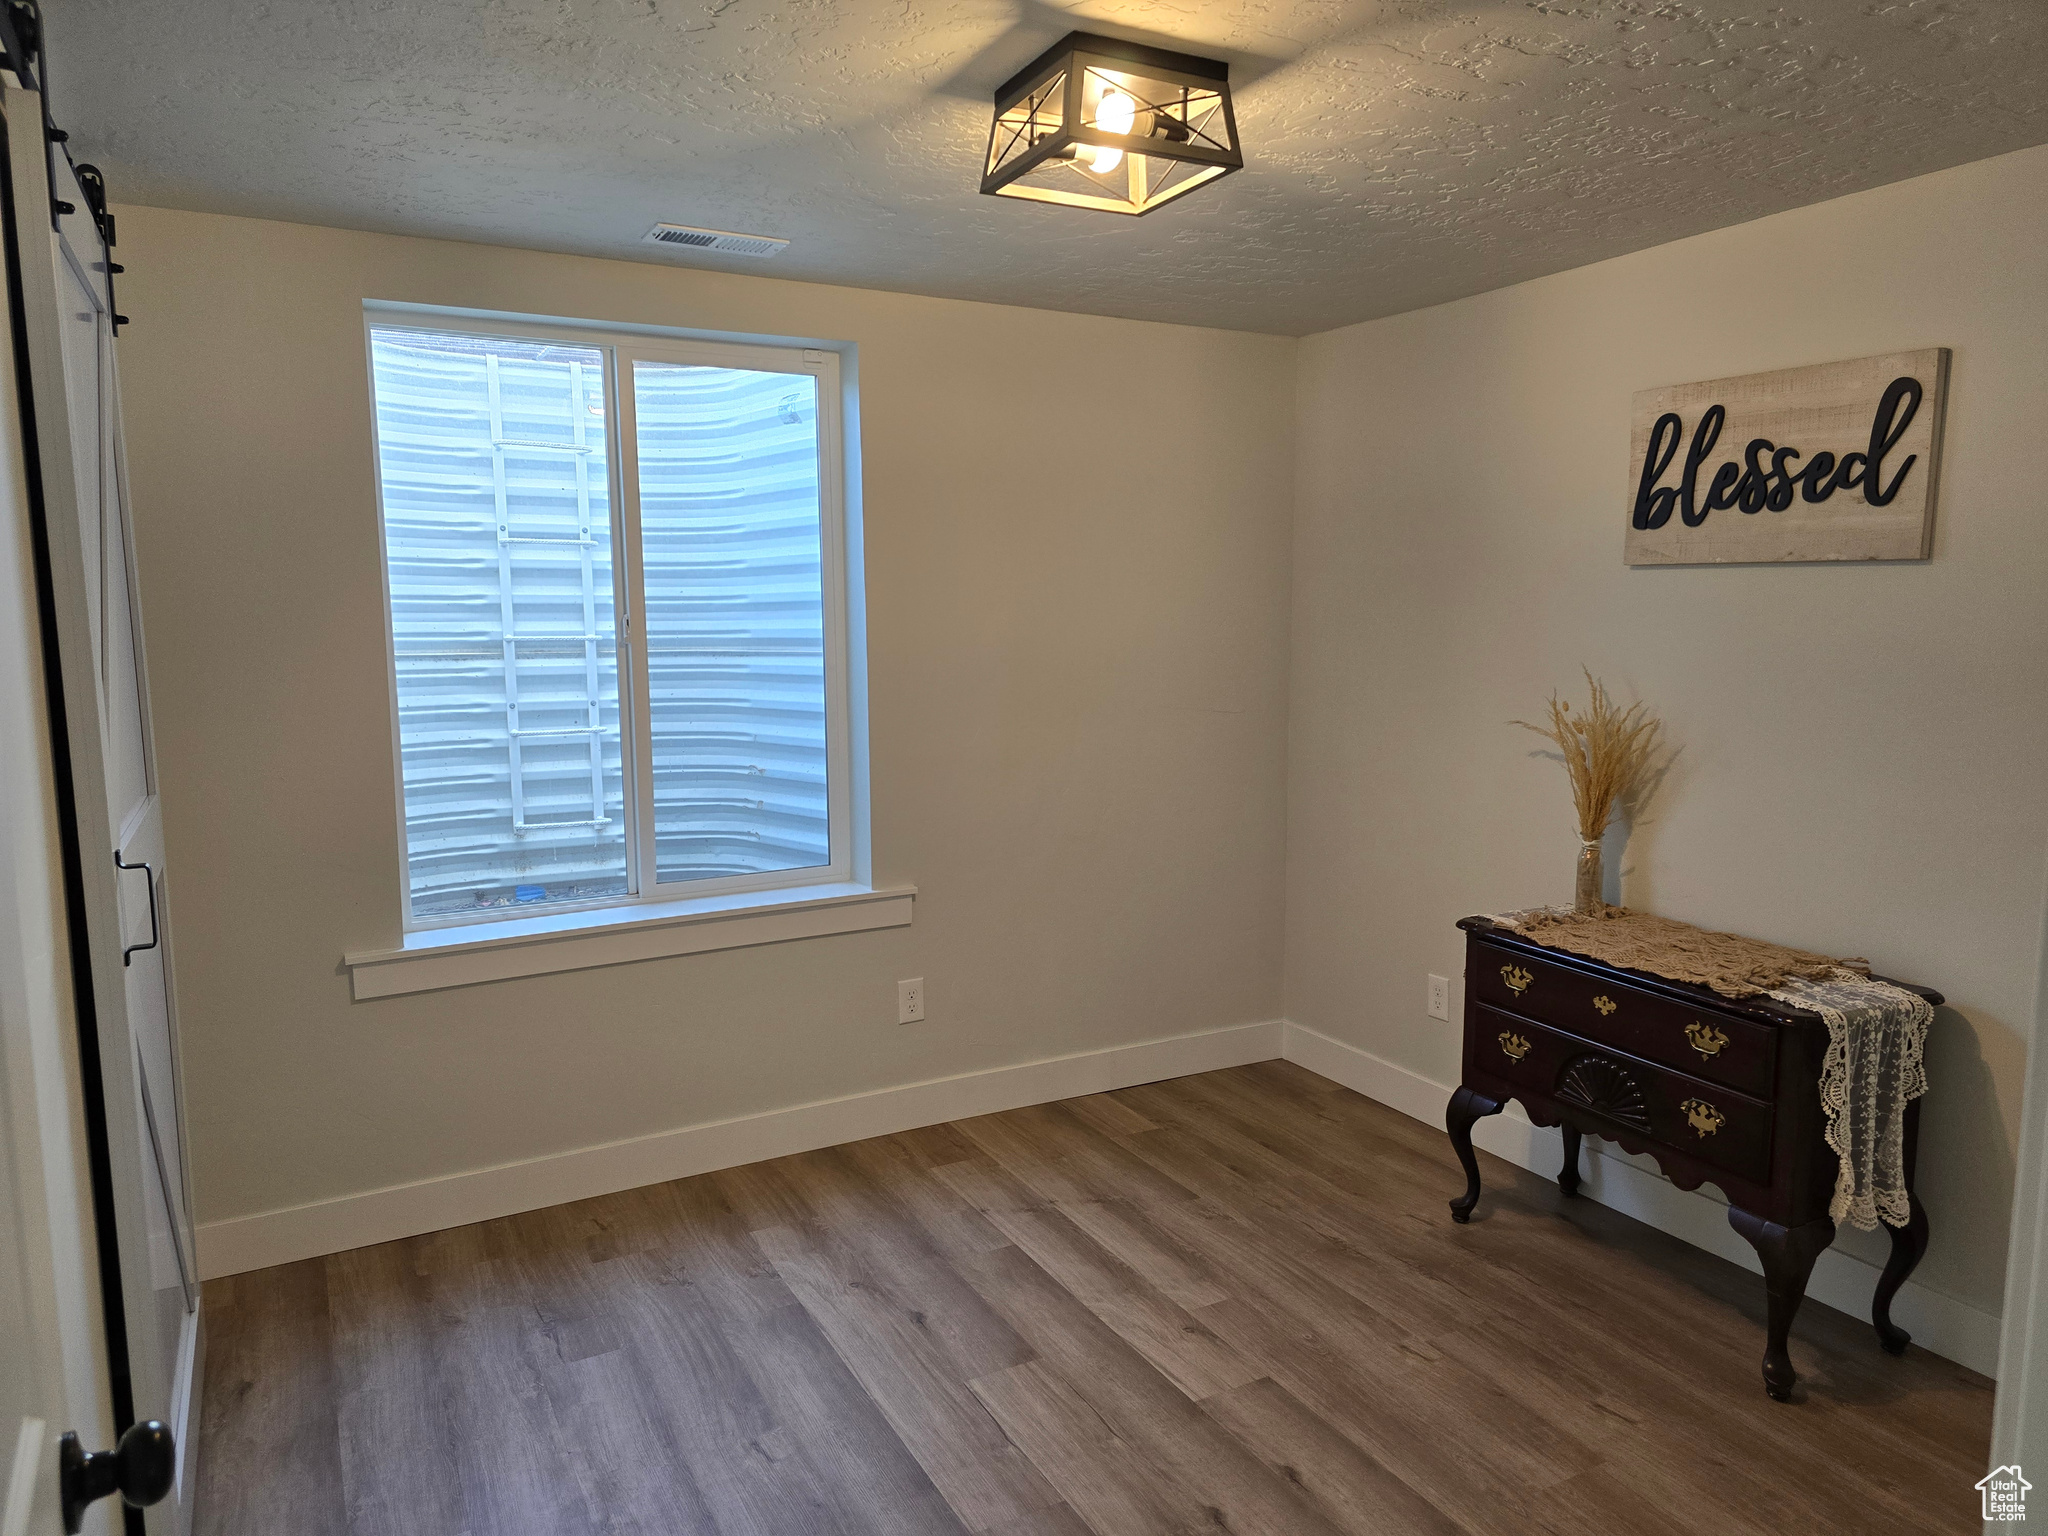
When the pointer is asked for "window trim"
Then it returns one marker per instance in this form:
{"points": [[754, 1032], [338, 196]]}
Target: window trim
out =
{"points": [[838, 501], [559, 939]]}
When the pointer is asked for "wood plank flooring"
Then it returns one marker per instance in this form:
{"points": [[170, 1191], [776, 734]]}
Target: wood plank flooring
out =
{"points": [[1227, 1303]]}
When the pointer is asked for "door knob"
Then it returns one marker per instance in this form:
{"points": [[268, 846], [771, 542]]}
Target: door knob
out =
{"points": [[140, 1469]]}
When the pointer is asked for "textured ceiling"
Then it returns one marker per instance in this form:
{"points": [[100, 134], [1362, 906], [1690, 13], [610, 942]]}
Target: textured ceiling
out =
{"points": [[1398, 152]]}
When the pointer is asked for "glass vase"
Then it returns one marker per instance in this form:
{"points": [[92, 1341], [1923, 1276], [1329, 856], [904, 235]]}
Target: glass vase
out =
{"points": [[1586, 887]]}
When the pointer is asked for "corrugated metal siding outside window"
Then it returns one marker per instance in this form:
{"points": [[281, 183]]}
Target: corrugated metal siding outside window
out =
{"points": [[734, 618], [497, 534]]}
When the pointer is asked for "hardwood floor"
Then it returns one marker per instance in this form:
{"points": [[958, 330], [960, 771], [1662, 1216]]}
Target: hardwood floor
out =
{"points": [[1227, 1303]]}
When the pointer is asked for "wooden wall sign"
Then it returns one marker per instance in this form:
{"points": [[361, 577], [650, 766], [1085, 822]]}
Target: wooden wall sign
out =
{"points": [[1834, 462]]}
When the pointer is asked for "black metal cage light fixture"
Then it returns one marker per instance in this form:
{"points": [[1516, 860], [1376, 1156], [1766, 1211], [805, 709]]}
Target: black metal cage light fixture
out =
{"points": [[1097, 123]]}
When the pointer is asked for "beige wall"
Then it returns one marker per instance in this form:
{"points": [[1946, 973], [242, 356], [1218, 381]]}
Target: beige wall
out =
{"points": [[1077, 559], [1865, 748]]}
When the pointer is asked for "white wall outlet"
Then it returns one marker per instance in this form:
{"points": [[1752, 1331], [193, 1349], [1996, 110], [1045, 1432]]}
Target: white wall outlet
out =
{"points": [[910, 1000], [1440, 998]]}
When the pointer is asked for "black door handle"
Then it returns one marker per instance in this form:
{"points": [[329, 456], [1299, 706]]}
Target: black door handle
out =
{"points": [[154, 933], [140, 1468]]}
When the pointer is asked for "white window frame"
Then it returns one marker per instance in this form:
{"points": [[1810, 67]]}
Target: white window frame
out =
{"points": [[823, 367], [648, 897]]}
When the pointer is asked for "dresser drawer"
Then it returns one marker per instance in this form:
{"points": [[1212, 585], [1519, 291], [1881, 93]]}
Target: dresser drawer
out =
{"points": [[1702, 1119], [1697, 1041]]}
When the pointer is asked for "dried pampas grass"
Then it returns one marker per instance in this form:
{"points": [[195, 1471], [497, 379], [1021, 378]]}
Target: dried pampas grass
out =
{"points": [[1607, 752]]}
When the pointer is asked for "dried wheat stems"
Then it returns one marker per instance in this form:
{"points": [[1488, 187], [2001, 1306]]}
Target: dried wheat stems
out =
{"points": [[1607, 756]]}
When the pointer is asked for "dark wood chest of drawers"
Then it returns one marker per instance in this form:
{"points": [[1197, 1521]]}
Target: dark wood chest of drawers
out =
{"points": [[1717, 1091]]}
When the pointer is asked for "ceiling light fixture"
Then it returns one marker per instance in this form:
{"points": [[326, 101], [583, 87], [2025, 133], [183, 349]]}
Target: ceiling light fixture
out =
{"points": [[1097, 123]]}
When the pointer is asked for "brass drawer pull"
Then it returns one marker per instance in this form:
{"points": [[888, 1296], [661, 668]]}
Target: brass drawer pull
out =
{"points": [[1605, 1004], [1514, 1045], [1702, 1116], [1706, 1039], [1517, 979]]}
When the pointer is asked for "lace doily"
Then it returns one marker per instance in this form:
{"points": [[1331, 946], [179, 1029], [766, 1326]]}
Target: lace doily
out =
{"points": [[1731, 964], [1877, 1037]]}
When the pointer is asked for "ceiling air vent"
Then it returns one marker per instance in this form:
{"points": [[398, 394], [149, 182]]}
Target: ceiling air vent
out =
{"points": [[722, 241]]}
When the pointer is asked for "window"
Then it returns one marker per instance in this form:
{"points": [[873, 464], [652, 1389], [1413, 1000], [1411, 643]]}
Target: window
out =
{"points": [[618, 608]]}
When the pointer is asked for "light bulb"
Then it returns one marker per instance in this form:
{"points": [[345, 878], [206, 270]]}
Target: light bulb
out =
{"points": [[1114, 113]]}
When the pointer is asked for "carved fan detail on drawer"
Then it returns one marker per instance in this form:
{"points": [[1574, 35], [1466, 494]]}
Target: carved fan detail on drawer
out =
{"points": [[1606, 1088]]}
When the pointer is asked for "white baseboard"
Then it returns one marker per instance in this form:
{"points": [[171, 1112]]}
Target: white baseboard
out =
{"points": [[431, 1205], [1942, 1324], [1947, 1327]]}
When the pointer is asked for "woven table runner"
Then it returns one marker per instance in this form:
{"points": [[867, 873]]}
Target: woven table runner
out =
{"points": [[1727, 962], [1877, 1032]]}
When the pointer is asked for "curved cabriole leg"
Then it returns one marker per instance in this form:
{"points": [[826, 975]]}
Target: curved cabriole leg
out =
{"points": [[1909, 1243], [1568, 1175], [1788, 1255], [1466, 1108]]}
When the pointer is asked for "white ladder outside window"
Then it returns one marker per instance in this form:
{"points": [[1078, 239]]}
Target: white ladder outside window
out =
{"points": [[580, 449]]}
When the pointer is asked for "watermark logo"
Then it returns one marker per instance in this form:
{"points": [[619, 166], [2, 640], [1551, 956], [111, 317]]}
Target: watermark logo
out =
{"points": [[2005, 1494]]}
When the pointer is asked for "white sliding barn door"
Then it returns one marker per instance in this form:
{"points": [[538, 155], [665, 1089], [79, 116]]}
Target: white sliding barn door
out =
{"points": [[53, 1360], [67, 322]]}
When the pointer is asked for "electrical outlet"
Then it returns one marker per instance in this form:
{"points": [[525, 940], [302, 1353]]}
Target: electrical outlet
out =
{"points": [[1440, 998], [910, 1000]]}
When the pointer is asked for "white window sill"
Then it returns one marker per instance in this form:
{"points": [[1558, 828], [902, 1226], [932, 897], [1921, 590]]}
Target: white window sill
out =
{"points": [[573, 941]]}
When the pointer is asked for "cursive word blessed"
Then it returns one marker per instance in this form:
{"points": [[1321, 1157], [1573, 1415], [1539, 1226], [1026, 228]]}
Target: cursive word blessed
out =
{"points": [[1765, 476]]}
